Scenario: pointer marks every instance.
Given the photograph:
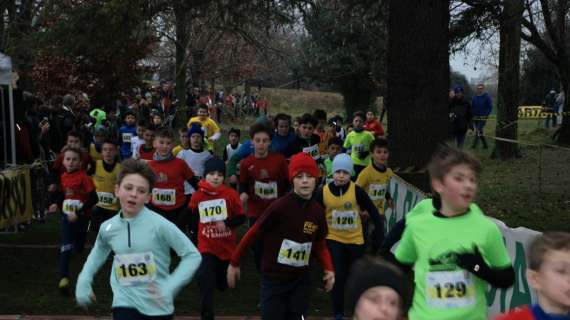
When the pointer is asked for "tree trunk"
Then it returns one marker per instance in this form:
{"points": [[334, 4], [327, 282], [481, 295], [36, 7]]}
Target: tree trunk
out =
{"points": [[509, 78], [182, 41], [356, 94], [418, 79], [563, 133]]}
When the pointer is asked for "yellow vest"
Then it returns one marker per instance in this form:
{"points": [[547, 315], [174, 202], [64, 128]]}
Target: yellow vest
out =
{"points": [[95, 155], [105, 185], [343, 216], [375, 183]]}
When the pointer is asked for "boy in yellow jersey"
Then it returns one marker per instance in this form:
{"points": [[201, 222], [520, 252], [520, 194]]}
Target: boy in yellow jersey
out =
{"points": [[184, 141], [357, 143], [104, 174], [209, 126], [375, 178], [344, 203]]}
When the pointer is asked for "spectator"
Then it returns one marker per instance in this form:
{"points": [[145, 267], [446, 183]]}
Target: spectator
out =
{"points": [[460, 116], [482, 106], [549, 103]]}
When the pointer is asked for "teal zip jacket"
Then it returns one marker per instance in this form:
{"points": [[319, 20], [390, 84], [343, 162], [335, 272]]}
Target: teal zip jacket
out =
{"points": [[140, 275]]}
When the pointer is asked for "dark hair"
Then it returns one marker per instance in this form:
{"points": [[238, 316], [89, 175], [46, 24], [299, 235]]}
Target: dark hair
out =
{"points": [[109, 141], [307, 118], [74, 133], [359, 114], [236, 131], [142, 124], [183, 129], [379, 143], [257, 128], [164, 133], [202, 106], [320, 114], [140, 167], [336, 141], [280, 117], [130, 113], [152, 127], [541, 244], [72, 149]]}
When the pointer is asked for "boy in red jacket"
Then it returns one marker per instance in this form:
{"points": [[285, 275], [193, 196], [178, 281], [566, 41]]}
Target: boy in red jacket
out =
{"points": [[293, 231], [75, 198], [548, 274], [220, 212]]}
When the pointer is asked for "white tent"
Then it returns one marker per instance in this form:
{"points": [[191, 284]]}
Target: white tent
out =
{"points": [[6, 79]]}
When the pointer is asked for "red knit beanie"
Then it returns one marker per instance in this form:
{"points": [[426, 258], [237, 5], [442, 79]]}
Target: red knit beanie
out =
{"points": [[302, 162]]}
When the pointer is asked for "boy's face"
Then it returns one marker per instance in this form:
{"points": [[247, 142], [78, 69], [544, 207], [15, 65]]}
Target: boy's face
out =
{"points": [[130, 120], [233, 138], [163, 145], [148, 137], [71, 161], [215, 178], [73, 142], [184, 140], [306, 130], [202, 113], [108, 152], [341, 177], [378, 303], [358, 122], [304, 184], [369, 115], [333, 150], [156, 120], [196, 141], [458, 188], [133, 193], [140, 131], [380, 156], [261, 141], [552, 280], [283, 127]]}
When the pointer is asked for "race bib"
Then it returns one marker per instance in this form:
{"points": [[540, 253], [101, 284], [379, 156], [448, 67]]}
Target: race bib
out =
{"points": [[266, 190], [135, 268], [343, 220], [71, 206], [450, 289], [213, 210], [313, 151], [164, 197], [377, 191], [294, 254], [127, 136], [106, 198], [358, 148]]}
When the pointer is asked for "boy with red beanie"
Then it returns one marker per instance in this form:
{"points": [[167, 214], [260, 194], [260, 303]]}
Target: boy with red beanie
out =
{"points": [[220, 213], [293, 231]]}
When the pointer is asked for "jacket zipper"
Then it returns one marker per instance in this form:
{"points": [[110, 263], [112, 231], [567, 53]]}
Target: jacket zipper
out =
{"points": [[129, 233]]}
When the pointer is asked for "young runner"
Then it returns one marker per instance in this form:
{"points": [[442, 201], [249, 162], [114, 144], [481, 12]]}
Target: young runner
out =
{"points": [[548, 274], [345, 204], [104, 174], [99, 136], [184, 141], [455, 250], [307, 141], [146, 151], [358, 142], [293, 231], [138, 140], [209, 126], [126, 133], [334, 148], [142, 284], [220, 213], [233, 144]]}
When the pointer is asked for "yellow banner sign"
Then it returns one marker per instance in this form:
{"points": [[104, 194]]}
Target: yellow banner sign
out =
{"points": [[532, 112], [15, 197]]}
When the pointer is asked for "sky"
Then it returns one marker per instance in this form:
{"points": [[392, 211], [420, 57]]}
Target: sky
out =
{"points": [[473, 61]]}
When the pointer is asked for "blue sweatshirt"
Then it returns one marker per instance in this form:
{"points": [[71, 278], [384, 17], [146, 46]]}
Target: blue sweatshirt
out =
{"points": [[126, 133], [481, 105], [140, 276]]}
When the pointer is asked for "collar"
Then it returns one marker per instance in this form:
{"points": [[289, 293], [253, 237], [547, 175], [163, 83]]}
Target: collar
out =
{"points": [[540, 314], [379, 169], [156, 156]]}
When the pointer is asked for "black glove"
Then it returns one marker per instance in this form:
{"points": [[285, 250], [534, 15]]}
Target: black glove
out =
{"points": [[472, 262], [363, 154]]}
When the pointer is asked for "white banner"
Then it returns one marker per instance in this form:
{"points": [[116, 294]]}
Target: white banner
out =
{"points": [[406, 196]]}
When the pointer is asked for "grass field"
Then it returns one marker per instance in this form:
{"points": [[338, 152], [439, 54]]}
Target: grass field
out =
{"points": [[509, 190]]}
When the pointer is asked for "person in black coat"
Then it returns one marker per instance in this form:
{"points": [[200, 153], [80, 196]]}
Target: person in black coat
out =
{"points": [[460, 117]]}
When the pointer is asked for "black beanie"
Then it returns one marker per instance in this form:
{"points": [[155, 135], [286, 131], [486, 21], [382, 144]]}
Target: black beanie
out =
{"points": [[214, 164], [371, 272]]}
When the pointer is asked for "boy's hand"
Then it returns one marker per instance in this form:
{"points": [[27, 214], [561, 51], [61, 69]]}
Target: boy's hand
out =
{"points": [[364, 215], [233, 179], [72, 217], [328, 279], [53, 208], [472, 262], [233, 276]]}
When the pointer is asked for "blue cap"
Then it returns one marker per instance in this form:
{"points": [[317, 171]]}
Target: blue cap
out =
{"points": [[343, 162], [195, 128]]}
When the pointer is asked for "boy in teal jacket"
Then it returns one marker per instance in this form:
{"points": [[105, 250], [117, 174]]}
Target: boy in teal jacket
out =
{"points": [[143, 287]]}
